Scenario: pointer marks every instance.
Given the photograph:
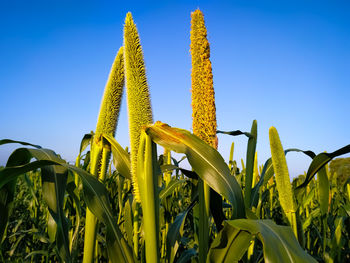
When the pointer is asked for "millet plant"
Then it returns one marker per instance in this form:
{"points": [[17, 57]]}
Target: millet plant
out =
{"points": [[145, 207]]}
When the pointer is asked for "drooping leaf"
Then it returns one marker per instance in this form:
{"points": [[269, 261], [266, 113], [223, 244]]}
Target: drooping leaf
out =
{"points": [[176, 231], [9, 174], [168, 190], [85, 142], [121, 157], [53, 188], [205, 161], [229, 246], [168, 167], [235, 133], [95, 195], [6, 141], [321, 160], [216, 209], [268, 172], [279, 242]]}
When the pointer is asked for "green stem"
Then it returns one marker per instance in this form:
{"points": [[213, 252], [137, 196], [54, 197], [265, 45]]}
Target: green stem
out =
{"points": [[90, 237], [292, 218], [250, 164], [136, 229], [203, 235], [324, 233], [91, 221], [150, 203]]}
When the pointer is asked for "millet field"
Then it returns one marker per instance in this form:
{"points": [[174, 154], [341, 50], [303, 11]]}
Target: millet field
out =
{"points": [[142, 204]]}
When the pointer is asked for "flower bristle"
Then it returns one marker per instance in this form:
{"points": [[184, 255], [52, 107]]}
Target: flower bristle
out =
{"points": [[111, 100], [138, 97]]}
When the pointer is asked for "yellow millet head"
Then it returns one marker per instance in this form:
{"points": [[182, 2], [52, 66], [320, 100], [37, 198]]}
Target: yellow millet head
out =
{"points": [[138, 97], [111, 100], [203, 96]]}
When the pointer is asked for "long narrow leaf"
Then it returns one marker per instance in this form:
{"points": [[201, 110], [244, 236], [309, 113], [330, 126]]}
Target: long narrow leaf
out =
{"points": [[205, 161], [229, 246], [147, 179], [170, 188], [6, 141], [95, 194], [53, 183], [250, 163], [176, 230], [279, 243], [121, 159], [321, 160], [268, 172], [236, 133]]}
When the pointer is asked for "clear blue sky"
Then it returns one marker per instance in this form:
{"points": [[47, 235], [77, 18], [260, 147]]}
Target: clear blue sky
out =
{"points": [[283, 63]]}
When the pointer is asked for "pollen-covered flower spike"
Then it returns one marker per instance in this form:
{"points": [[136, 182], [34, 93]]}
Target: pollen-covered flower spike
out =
{"points": [[138, 97]]}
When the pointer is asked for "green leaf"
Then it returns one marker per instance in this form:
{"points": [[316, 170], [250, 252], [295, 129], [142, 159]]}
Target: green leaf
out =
{"points": [[236, 133], [128, 223], [279, 242], [8, 185], [321, 160], [53, 188], [216, 209], [176, 231], [95, 195], [121, 159], [37, 252], [309, 198], [323, 190], [8, 174], [51, 228], [268, 172], [54, 180], [6, 200], [314, 214], [186, 256], [6, 141], [85, 142], [205, 161], [147, 179], [169, 189], [73, 195], [250, 163], [229, 246], [31, 189], [169, 167]]}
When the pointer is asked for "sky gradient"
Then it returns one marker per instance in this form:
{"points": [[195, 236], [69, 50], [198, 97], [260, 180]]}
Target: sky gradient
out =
{"points": [[284, 64]]}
